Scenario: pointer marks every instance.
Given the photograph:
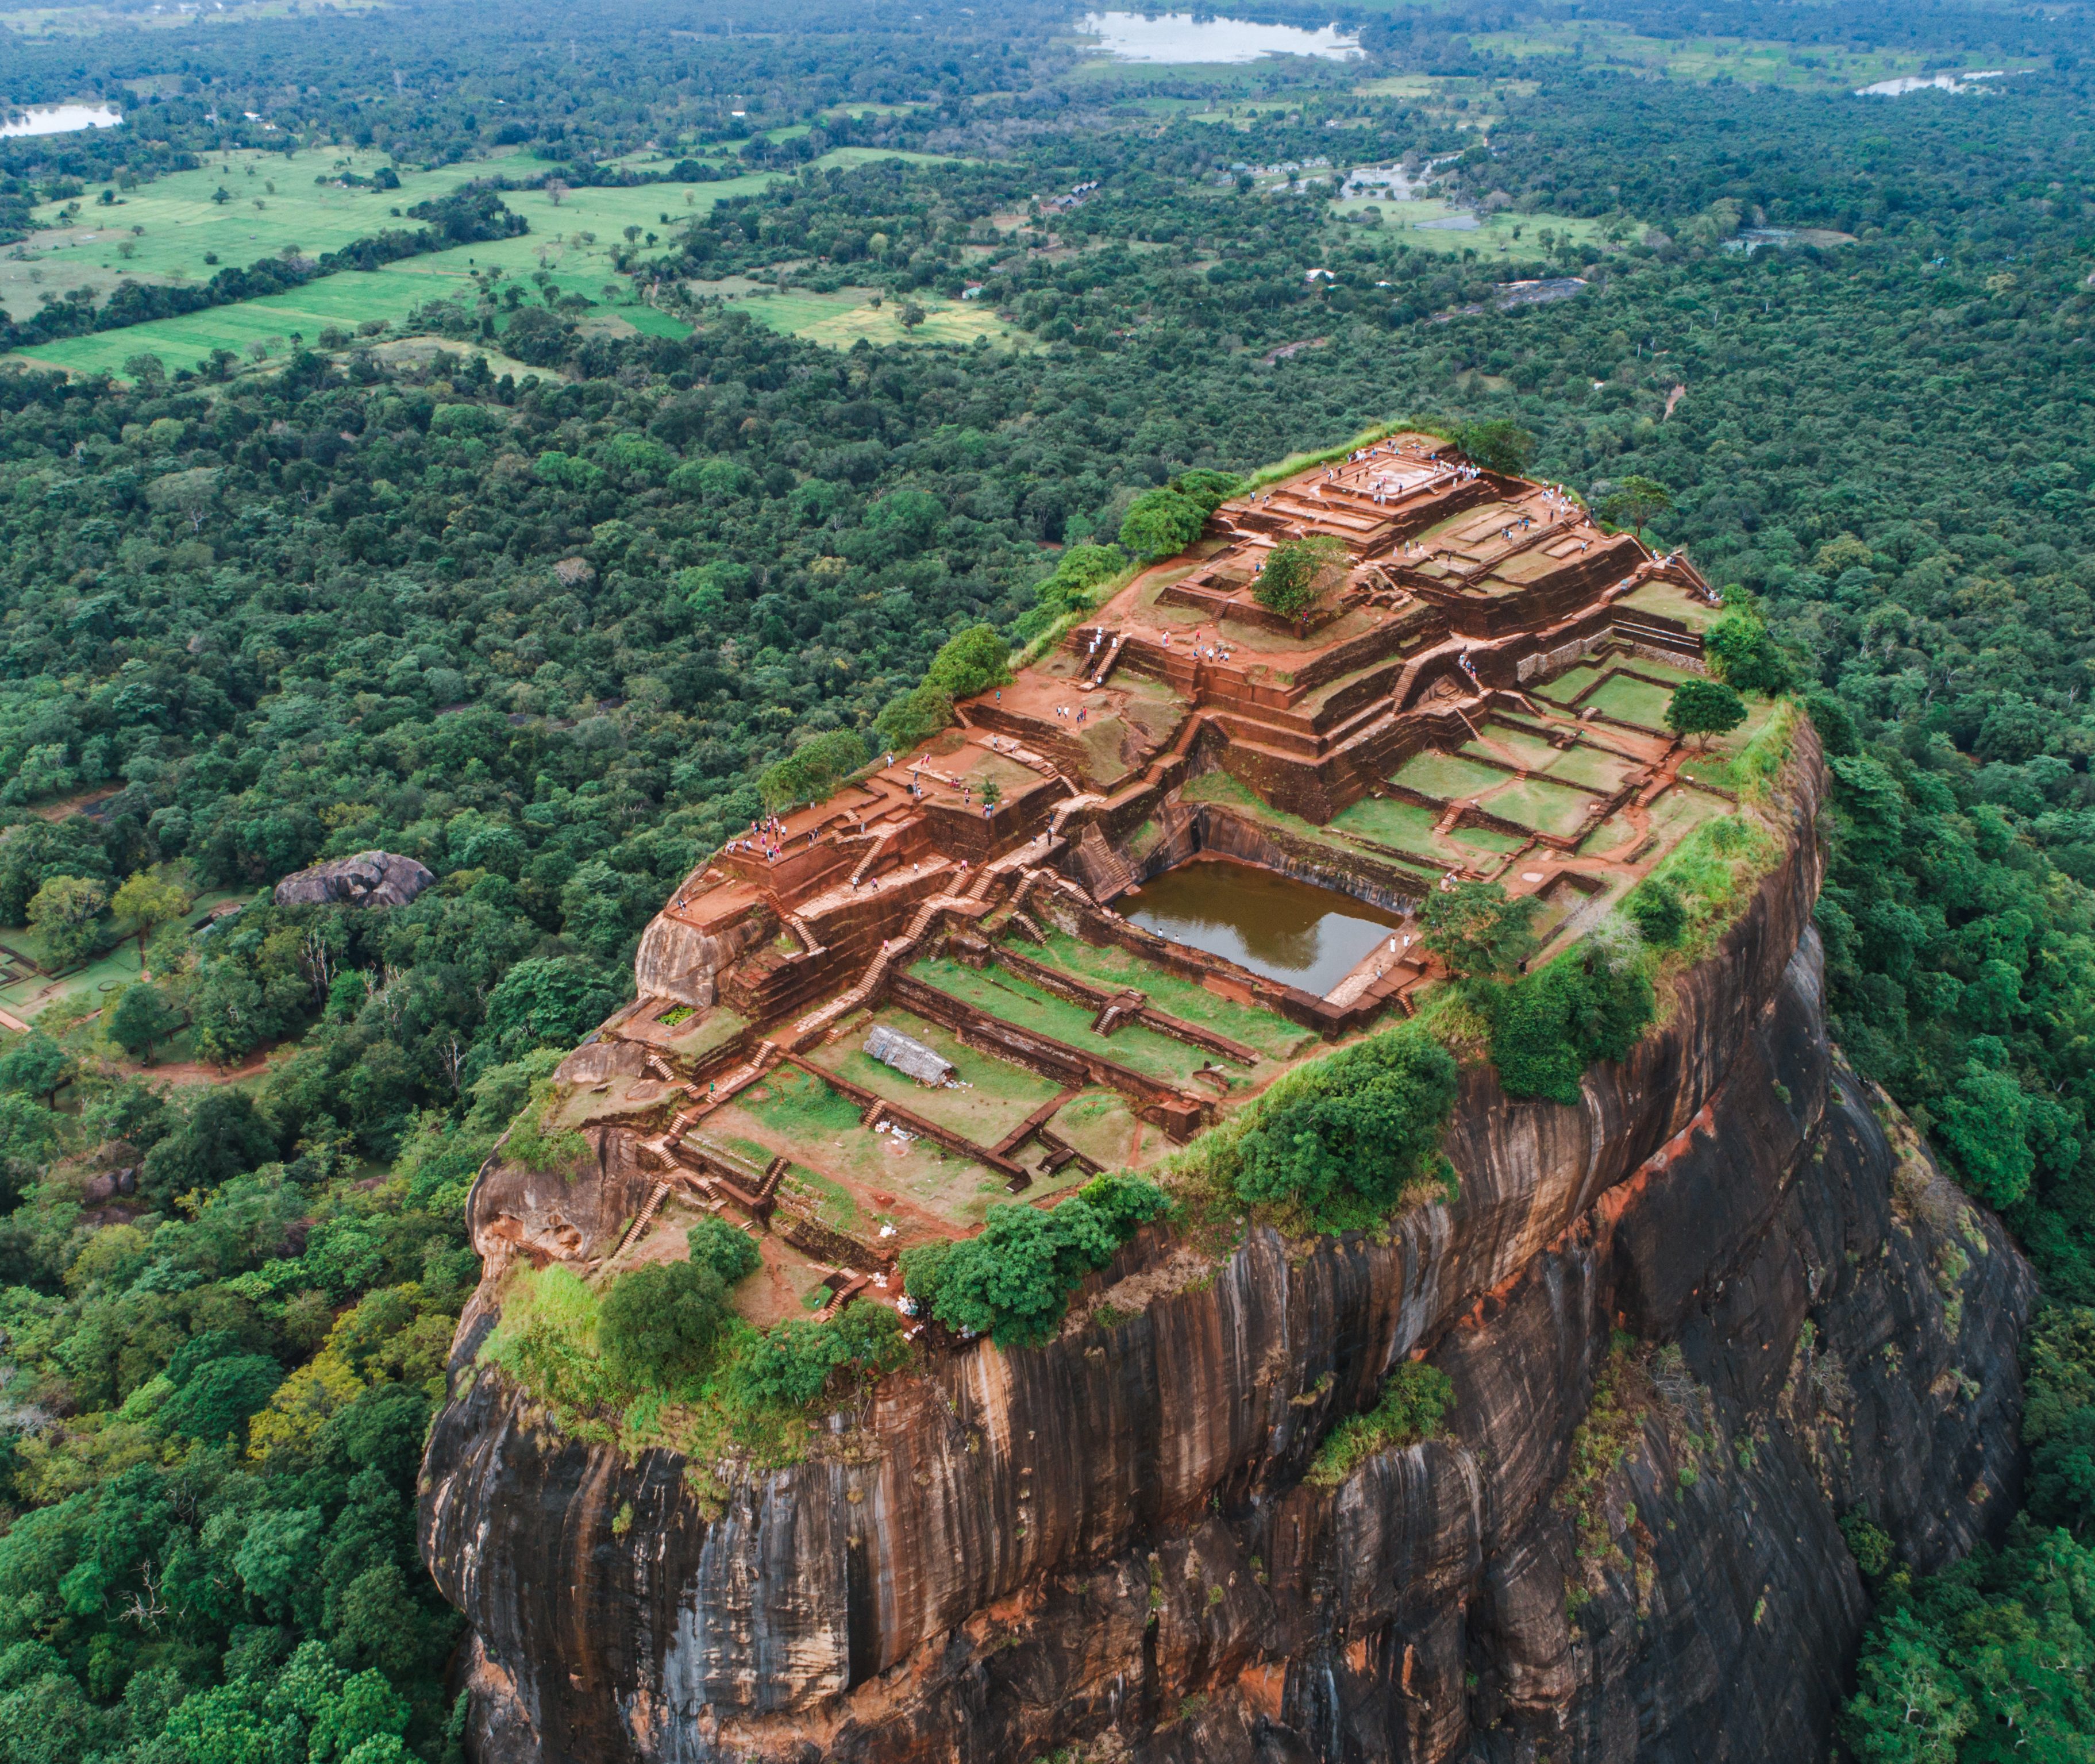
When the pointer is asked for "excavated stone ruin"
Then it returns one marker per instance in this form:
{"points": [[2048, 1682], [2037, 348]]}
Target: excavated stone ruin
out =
{"points": [[1732, 1262]]}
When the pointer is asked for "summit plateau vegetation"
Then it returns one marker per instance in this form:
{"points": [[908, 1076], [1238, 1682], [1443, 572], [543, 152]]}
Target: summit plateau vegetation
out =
{"points": [[528, 531]]}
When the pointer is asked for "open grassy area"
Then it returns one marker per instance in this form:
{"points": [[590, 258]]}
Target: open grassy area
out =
{"points": [[571, 240], [1271, 1035], [1447, 777], [1568, 686], [1594, 767], [1427, 224], [1503, 741], [1408, 826], [841, 319], [1669, 600], [1629, 700], [1005, 996], [1537, 802], [273, 203], [1100, 1124], [998, 1095], [1804, 67]]}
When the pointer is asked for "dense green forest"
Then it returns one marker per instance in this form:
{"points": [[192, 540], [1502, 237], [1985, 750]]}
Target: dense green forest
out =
{"points": [[542, 632]]}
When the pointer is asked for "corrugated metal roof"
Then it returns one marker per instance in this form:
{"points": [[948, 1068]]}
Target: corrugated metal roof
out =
{"points": [[891, 1047]]}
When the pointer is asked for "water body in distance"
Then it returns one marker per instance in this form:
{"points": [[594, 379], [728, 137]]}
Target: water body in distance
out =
{"points": [[58, 118], [1931, 82], [1179, 37], [1290, 931]]}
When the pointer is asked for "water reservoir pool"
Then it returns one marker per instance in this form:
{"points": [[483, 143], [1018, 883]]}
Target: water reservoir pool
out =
{"points": [[1287, 930]]}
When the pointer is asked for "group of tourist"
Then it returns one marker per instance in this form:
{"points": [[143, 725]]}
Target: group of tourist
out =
{"points": [[766, 837]]}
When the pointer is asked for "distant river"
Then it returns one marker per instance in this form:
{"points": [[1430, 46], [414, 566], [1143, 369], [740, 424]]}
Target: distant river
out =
{"points": [[1178, 37], [59, 119]]}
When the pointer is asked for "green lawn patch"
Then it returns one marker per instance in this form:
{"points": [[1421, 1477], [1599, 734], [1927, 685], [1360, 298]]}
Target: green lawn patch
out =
{"points": [[1594, 767], [1486, 839], [1504, 741], [1447, 777], [1628, 699], [1537, 802], [1408, 826], [997, 1096], [1567, 687], [1005, 996], [1271, 1035]]}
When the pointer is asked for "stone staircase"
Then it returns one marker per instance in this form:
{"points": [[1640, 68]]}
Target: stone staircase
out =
{"points": [[897, 948], [1107, 871], [642, 1218], [724, 1090]]}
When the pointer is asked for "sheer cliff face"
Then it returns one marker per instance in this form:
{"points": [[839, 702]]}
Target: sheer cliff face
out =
{"points": [[1786, 1312]]}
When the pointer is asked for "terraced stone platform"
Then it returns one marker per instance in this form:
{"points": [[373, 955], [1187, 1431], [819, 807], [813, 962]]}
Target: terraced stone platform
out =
{"points": [[1483, 696]]}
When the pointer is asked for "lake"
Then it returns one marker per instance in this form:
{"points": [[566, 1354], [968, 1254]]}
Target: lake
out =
{"points": [[1290, 931], [1933, 82], [1179, 37], [59, 118]]}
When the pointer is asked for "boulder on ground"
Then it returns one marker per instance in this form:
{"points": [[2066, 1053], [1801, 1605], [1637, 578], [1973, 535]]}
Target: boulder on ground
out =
{"points": [[367, 879]]}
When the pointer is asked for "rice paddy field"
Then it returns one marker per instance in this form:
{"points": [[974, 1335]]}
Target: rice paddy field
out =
{"points": [[571, 240]]}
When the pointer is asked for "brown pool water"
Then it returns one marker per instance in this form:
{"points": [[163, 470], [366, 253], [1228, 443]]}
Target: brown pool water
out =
{"points": [[1290, 931]]}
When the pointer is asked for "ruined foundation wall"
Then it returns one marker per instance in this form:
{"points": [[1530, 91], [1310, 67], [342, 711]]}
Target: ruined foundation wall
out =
{"points": [[1111, 1536]]}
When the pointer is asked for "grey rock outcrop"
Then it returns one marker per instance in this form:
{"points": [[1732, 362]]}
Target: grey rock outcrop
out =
{"points": [[1732, 1255], [366, 879]]}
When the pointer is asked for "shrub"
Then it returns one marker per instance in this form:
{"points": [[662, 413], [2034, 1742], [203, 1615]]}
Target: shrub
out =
{"points": [[1983, 1120], [1746, 654], [1703, 708], [1497, 446], [1656, 911], [1413, 1402], [1870, 1544], [658, 1324], [1477, 930], [1012, 1282], [1592, 1004], [1159, 522], [1081, 570], [1209, 490], [731, 1254], [795, 1365], [912, 716], [1297, 575], [813, 769], [972, 662], [1344, 1137]]}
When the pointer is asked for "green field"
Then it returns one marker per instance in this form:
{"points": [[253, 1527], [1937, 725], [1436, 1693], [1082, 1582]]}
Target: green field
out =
{"points": [[1447, 777], [1629, 700], [1815, 67], [571, 240], [841, 319], [1547, 807], [1427, 224], [274, 203], [1504, 741], [1593, 767]]}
